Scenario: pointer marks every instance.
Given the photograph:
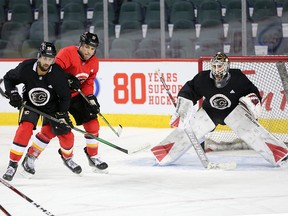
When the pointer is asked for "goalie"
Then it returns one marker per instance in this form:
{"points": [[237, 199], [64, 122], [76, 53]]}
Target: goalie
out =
{"points": [[230, 98]]}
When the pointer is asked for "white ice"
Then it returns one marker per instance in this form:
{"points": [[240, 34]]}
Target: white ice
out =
{"points": [[136, 186]]}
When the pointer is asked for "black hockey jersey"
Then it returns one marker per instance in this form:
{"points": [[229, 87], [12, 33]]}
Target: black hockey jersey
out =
{"points": [[49, 93], [218, 102]]}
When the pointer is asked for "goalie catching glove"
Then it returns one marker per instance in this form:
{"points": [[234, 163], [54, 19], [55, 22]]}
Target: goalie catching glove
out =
{"points": [[252, 104], [64, 125], [94, 105]]}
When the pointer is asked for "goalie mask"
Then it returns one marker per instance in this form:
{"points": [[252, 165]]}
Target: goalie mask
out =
{"points": [[220, 69]]}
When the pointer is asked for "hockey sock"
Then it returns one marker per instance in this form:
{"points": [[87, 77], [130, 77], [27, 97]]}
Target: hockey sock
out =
{"points": [[21, 139]]}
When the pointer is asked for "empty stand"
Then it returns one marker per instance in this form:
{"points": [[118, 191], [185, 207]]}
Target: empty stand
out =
{"points": [[182, 14], [30, 48], [264, 9], [74, 11], [209, 10], [71, 30], [131, 16], [36, 31], [22, 13]]}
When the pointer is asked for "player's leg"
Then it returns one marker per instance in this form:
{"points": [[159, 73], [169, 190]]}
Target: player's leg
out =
{"points": [[66, 151], [39, 142], [83, 116], [28, 121]]}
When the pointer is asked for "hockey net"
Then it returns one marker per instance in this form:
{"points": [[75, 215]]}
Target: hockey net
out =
{"points": [[262, 71]]}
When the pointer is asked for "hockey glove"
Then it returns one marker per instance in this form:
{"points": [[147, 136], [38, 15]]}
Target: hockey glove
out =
{"points": [[15, 99], [73, 82], [252, 104], [64, 125], [94, 105]]}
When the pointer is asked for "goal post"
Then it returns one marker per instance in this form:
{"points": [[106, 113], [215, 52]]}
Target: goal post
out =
{"points": [[262, 71]]}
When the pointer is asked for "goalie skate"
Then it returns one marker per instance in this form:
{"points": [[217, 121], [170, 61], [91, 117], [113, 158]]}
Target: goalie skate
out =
{"points": [[96, 163]]}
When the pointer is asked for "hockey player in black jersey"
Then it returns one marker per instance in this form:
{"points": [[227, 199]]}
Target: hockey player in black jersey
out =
{"points": [[229, 98], [45, 89]]}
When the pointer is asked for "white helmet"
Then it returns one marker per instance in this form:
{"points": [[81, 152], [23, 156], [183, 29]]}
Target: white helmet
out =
{"points": [[220, 69]]}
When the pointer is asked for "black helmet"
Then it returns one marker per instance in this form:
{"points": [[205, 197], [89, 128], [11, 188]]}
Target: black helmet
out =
{"points": [[89, 39], [47, 49]]}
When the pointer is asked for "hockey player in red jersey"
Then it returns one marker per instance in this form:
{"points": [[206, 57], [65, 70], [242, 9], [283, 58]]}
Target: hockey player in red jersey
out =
{"points": [[45, 89], [229, 98], [82, 65]]}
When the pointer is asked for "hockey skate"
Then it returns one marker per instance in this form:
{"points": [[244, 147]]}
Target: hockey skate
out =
{"points": [[96, 163], [74, 167], [11, 170], [28, 165]]}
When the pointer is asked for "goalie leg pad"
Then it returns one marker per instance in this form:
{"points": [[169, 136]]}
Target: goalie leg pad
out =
{"points": [[256, 136], [177, 142]]}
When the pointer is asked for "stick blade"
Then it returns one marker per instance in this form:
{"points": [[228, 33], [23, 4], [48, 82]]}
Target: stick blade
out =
{"points": [[222, 166], [138, 148], [119, 130]]}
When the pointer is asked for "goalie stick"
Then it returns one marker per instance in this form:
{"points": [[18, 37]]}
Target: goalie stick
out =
{"points": [[25, 197], [283, 75], [166, 87], [119, 129], [197, 147]]}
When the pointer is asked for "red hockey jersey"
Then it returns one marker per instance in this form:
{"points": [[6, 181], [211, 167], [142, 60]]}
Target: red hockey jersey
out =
{"points": [[70, 61]]}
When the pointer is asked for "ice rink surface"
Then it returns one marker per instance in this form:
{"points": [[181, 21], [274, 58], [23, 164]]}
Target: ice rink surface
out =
{"points": [[136, 186]]}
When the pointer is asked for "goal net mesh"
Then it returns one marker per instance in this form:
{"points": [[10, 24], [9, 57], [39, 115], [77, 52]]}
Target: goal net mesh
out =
{"points": [[262, 71]]}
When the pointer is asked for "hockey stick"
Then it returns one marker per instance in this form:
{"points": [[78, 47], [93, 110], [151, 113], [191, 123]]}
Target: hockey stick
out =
{"points": [[119, 129], [131, 151], [197, 147], [5, 211], [284, 76], [25, 197], [166, 87]]}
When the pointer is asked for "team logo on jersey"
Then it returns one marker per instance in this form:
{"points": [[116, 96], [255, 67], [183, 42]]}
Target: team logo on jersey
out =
{"points": [[39, 96], [82, 77], [220, 101]]}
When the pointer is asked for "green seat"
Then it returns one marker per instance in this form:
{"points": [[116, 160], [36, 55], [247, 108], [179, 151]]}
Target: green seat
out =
{"points": [[36, 31], [182, 14], [71, 30], [131, 16], [22, 13], [30, 48], [74, 11], [264, 9], [209, 10]]}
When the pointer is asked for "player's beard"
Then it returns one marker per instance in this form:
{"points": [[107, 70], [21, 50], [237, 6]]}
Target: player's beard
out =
{"points": [[43, 68]]}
